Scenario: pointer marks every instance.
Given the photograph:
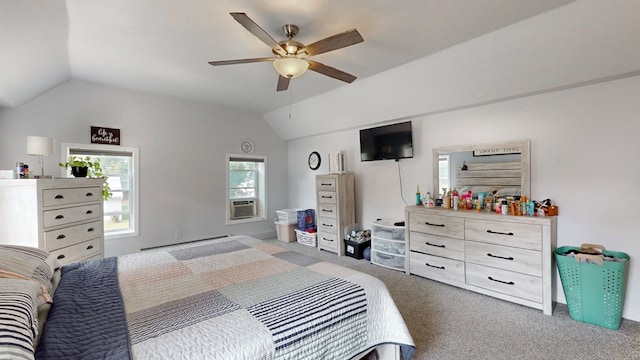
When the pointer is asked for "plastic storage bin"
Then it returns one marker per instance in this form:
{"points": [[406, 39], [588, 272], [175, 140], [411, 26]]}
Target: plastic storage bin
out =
{"points": [[306, 238], [285, 231], [289, 216], [355, 249], [594, 292]]}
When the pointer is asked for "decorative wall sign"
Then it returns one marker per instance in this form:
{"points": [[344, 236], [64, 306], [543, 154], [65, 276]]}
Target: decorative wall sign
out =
{"points": [[498, 151], [102, 135]]}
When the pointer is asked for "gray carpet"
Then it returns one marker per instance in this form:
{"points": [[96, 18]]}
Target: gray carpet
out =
{"points": [[452, 323]]}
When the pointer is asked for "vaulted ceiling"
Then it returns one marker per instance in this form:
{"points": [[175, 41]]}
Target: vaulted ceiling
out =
{"points": [[163, 46]]}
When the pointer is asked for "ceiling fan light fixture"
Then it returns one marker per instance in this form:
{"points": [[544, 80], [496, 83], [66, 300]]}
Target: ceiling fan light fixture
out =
{"points": [[290, 67]]}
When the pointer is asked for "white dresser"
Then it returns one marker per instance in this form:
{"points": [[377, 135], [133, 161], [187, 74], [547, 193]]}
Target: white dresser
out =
{"points": [[335, 198], [508, 257], [62, 216]]}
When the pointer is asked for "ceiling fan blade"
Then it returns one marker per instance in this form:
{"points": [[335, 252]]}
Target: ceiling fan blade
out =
{"points": [[258, 32], [283, 83], [334, 42], [240, 61], [331, 72]]}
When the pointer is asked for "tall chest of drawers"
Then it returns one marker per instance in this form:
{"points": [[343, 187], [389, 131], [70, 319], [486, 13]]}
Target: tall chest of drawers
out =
{"points": [[508, 257], [335, 197], [62, 216]]}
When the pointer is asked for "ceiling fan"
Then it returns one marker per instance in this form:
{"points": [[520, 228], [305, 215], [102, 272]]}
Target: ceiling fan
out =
{"points": [[291, 57]]}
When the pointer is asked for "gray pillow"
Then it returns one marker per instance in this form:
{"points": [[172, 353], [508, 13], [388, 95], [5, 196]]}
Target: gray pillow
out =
{"points": [[28, 262]]}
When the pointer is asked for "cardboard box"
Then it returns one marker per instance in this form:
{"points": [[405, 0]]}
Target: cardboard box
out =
{"points": [[285, 231]]}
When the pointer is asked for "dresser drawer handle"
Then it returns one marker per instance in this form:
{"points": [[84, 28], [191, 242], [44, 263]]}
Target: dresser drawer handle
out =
{"points": [[326, 197], [90, 229], [59, 197], [430, 224], [59, 217], [499, 233], [502, 282], [325, 210], [60, 257], [430, 244], [329, 225], [89, 247], [325, 239], [325, 184], [60, 237], [89, 194], [433, 266], [499, 257], [88, 212]]}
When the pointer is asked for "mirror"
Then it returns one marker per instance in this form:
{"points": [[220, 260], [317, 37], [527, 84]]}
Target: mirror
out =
{"points": [[503, 167]]}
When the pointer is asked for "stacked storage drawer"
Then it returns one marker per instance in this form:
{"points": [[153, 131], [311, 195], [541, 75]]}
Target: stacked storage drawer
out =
{"points": [[437, 247], [388, 245]]}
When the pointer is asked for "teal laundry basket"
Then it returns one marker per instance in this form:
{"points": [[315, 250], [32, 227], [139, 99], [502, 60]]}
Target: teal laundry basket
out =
{"points": [[594, 292]]}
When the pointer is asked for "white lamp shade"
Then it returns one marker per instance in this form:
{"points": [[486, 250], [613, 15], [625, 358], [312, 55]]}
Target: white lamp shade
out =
{"points": [[290, 67], [39, 145]]}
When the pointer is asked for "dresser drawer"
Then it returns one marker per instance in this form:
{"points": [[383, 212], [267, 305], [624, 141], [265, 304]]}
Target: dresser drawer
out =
{"points": [[327, 225], [388, 246], [79, 251], [504, 257], [526, 236], [70, 215], [327, 210], [387, 260], [57, 239], [326, 184], [437, 268], [505, 282], [53, 197], [437, 245], [327, 197], [437, 225], [328, 240]]}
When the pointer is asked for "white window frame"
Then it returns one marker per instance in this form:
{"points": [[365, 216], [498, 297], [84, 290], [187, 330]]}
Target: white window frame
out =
{"points": [[135, 210], [261, 190], [447, 159]]}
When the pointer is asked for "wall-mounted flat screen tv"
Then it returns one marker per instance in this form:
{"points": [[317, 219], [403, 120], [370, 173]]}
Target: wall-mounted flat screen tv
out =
{"points": [[386, 142]]}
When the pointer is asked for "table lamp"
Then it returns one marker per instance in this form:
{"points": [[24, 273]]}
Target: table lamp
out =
{"points": [[41, 146]]}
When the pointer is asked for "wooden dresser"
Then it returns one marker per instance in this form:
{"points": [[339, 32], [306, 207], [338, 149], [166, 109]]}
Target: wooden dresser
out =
{"points": [[62, 216], [508, 257], [335, 198]]}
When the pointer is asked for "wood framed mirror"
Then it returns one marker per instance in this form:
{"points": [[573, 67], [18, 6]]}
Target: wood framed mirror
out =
{"points": [[503, 168]]}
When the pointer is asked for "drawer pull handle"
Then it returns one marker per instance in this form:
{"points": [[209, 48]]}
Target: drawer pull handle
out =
{"points": [[329, 225], [89, 194], [325, 184], [88, 212], [430, 224], [500, 233], [59, 197], [59, 217], [326, 197], [430, 244], [325, 239], [499, 257], [89, 247], [433, 266], [60, 257], [60, 237], [90, 229], [325, 210], [502, 282]]}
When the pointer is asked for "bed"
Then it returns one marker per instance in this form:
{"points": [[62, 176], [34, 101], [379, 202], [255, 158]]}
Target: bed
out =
{"points": [[231, 298]]}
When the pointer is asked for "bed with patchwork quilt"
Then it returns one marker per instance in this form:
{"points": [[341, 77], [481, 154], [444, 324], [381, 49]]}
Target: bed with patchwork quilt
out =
{"points": [[231, 298]]}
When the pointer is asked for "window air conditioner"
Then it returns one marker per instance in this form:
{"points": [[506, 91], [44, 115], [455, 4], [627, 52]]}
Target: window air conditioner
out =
{"points": [[244, 208]]}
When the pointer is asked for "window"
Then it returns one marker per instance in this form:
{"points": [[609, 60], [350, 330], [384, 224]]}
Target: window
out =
{"points": [[443, 172], [120, 167], [246, 184]]}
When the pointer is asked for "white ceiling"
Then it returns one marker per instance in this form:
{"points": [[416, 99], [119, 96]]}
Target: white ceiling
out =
{"points": [[163, 46]]}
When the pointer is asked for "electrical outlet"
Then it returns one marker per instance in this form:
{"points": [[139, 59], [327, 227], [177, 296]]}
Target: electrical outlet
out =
{"points": [[178, 234]]}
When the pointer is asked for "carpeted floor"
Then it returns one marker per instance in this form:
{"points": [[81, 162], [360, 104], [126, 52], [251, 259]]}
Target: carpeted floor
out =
{"points": [[452, 323]]}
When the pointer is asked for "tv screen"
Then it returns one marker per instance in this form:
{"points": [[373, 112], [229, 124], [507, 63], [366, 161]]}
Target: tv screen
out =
{"points": [[386, 142]]}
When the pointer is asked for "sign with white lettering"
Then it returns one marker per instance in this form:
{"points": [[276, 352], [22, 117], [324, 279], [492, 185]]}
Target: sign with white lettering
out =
{"points": [[102, 135], [498, 151]]}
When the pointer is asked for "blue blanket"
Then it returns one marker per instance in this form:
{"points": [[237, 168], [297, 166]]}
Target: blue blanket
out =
{"points": [[98, 333]]}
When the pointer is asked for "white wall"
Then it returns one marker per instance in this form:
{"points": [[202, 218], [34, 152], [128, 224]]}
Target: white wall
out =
{"points": [[583, 147], [182, 155]]}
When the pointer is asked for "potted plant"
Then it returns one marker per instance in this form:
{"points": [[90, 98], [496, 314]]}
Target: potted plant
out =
{"points": [[86, 168]]}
